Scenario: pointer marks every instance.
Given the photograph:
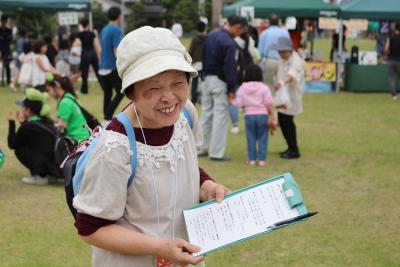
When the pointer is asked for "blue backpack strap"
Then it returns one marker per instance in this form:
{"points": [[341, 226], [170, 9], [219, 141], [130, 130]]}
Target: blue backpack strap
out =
{"points": [[188, 117], [80, 166], [123, 118]]}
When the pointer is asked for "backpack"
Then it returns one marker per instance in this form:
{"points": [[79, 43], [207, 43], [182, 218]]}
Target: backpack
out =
{"points": [[91, 120], [74, 166], [63, 144]]}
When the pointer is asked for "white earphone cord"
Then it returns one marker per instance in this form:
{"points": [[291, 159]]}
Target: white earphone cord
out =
{"points": [[151, 169], [154, 180]]}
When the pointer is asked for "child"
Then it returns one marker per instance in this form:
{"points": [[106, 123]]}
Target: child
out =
{"points": [[26, 60], [258, 105]]}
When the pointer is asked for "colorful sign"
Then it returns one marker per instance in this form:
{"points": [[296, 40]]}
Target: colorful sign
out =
{"points": [[320, 71]]}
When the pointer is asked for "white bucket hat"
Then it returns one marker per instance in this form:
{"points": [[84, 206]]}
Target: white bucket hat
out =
{"points": [[148, 51]]}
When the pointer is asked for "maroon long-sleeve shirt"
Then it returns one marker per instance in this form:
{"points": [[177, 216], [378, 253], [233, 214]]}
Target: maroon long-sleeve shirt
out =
{"points": [[87, 224]]}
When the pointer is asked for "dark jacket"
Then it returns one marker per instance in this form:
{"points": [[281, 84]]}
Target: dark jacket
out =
{"points": [[196, 47], [394, 47], [30, 135], [219, 57]]}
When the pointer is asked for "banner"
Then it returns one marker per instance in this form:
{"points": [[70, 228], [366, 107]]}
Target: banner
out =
{"points": [[320, 71], [67, 18]]}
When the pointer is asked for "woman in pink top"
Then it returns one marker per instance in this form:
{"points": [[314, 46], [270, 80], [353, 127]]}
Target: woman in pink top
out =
{"points": [[256, 99]]}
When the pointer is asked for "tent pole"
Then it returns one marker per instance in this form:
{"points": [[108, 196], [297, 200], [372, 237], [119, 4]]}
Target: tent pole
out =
{"points": [[339, 56], [90, 20]]}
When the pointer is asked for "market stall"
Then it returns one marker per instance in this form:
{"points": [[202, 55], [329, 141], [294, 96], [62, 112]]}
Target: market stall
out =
{"points": [[285, 8], [46, 5], [369, 77]]}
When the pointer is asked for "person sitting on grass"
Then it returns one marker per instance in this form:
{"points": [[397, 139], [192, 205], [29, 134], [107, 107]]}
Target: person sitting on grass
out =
{"points": [[142, 225], [34, 146], [69, 114], [256, 99]]}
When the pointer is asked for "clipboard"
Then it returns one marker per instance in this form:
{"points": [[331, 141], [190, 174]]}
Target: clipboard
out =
{"points": [[246, 213]]}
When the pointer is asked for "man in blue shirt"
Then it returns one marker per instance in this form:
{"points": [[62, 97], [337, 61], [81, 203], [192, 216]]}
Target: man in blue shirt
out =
{"points": [[267, 48], [219, 66], [110, 37]]}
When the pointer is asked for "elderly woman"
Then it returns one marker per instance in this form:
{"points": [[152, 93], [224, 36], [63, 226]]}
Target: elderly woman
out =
{"points": [[290, 74], [142, 224]]}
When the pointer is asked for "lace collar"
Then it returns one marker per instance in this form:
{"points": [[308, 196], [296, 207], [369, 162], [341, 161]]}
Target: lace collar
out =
{"points": [[170, 152]]}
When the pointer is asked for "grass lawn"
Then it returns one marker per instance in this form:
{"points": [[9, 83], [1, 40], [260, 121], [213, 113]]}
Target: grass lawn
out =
{"points": [[349, 171]]}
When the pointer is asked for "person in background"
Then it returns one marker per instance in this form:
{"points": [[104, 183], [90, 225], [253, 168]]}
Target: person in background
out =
{"points": [[291, 75], [90, 53], [245, 47], [177, 29], [62, 64], [381, 37], [110, 37], [219, 65], [20, 50], [69, 114], [196, 52], [74, 56], [51, 52], [266, 46], [34, 146], [256, 99], [5, 50], [296, 34], [27, 60], [20, 45], [41, 65], [392, 49]]}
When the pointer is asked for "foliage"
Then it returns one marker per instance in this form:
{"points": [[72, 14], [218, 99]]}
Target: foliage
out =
{"points": [[99, 17], [185, 12], [36, 23], [135, 18]]}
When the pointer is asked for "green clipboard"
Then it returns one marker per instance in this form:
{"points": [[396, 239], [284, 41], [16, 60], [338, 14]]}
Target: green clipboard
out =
{"points": [[291, 192]]}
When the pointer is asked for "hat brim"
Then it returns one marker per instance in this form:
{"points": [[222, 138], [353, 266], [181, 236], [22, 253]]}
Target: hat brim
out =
{"points": [[154, 66], [283, 48], [20, 102]]}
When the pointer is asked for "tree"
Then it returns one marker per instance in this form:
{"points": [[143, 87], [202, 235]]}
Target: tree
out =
{"points": [[135, 18], [36, 23], [99, 17], [185, 12]]}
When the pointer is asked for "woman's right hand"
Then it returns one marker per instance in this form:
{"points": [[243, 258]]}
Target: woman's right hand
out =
{"points": [[179, 251], [21, 116], [10, 116]]}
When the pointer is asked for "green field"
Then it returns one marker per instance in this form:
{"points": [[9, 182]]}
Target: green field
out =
{"points": [[349, 171]]}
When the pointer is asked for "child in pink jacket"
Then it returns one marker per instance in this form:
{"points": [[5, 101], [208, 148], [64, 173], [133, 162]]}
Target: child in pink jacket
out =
{"points": [[256, 99]]}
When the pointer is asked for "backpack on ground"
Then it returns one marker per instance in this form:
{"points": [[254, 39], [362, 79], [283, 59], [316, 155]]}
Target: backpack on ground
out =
{"points": [[63, 144], [74, 165], [91, 120]]}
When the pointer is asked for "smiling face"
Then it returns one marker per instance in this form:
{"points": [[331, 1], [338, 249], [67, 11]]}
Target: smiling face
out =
{"points": [[160, 99]]}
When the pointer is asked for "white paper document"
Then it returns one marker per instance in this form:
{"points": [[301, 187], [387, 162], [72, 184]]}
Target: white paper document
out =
{"points": [[244, 214]]}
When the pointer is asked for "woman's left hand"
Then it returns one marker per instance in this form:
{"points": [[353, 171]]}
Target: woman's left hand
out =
{"points": [[209, 190]]}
